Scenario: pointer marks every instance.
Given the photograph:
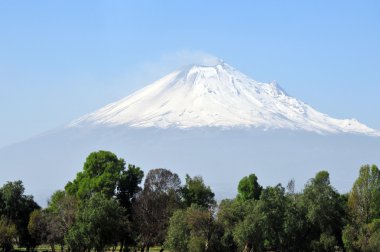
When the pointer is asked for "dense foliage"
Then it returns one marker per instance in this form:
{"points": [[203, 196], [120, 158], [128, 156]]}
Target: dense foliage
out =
{"points": [[106, 207], [15, 210]]}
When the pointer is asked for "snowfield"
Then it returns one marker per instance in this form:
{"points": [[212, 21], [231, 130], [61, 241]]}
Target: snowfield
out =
{"points": [[216, 96]]}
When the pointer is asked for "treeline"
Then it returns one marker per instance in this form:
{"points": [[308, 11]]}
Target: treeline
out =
{"points": [[107, 207]]}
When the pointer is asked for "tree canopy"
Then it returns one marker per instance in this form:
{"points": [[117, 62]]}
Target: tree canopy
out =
{"points": [[196, 192], [249, 188], [105, 207], [363, 230], [98, 224], [101, 173], [15, 208], [156, 204]]}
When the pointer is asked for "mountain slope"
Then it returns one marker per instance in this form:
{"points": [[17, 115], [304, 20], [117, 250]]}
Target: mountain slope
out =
{"points": [[216, 96]]}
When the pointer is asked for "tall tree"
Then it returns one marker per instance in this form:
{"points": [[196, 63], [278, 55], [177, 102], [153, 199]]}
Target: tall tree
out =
{"points": [[16, 207], [8, 234], [325, 213], [101, 174], [97, 225], [272, 205], [105, 173], [296, 228], [229, 214], [59, 216], [249, 231], [127, 189], [364, 211], [202, 226], [243, 225], [129, 186], [156, 204], [364, 199], [177, 238], [241, 218], [193, 229], [37, 226]]}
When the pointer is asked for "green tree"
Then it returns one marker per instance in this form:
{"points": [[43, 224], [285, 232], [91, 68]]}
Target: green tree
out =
{"points": [[295, 227], [101, 174], [248, 233], [196, 192], [243, 225], [272, 206], [129, 186], [59, 216], [364, 211], [249, 188], [201, 224], [98, 223], [8, 233], [193, 229], [229, 214], [127, 189], [364, 199], [374, 239], [325, 213], [37, 226], [177, 238], [156, 204], [16, 208]]}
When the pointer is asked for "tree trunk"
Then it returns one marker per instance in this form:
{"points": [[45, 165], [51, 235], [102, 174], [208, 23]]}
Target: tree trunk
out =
{"points": [[121, 246], [52, 246], [248, 247]]}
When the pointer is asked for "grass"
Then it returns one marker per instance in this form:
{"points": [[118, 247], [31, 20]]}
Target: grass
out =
{"points": [[46, 247]]}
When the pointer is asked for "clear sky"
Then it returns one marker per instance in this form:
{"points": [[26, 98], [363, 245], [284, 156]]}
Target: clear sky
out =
{"points": [[62, 59]]}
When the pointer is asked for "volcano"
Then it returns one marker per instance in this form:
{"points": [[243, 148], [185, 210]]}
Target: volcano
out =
{"points": [[208, 120], [216, 96]]}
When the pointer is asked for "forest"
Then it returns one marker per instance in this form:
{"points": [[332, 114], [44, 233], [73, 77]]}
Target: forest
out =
{"points": [[114, 206]]}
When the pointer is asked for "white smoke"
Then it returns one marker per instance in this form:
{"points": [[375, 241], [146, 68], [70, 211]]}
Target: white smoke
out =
{"points": [[188, 57], [144, 73]]}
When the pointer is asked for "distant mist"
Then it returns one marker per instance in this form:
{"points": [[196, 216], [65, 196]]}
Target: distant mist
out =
{"points": [[222, 157]]}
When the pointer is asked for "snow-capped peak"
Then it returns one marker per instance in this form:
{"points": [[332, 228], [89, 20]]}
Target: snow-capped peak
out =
{"points": [[216, 95]]}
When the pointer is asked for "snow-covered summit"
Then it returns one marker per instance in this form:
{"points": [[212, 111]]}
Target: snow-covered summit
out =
{"points": [[216, 95]]}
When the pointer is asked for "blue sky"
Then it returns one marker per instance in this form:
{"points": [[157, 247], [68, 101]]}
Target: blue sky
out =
{"points": [[62, 59]]}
